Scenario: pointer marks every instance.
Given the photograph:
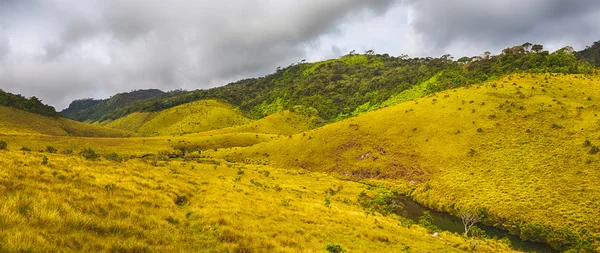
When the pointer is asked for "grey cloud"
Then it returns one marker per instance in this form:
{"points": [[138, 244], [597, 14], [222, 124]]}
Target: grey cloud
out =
{"points": [[107, 46], [4, 46], [496, 24]]}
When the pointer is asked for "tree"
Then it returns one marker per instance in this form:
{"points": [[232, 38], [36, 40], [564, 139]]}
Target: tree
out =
{"points": [[369, 52], [527, 46], [537, 48], [468, 219]]}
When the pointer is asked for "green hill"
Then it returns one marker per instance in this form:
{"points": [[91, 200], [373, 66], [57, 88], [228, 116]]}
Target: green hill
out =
{"points": [[522, 152], [32, 104], [96, 110], [354, 83]]}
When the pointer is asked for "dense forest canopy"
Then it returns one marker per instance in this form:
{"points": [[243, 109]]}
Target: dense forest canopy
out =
{"points": [[591, 54], [90, 109], [339, 88], [32, 104]]}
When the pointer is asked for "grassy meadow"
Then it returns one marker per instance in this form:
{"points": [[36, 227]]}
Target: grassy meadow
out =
{"points": [[521, 152], [65, 203], [199, 116]]}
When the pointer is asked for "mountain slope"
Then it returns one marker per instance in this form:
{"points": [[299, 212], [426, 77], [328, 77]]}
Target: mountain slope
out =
{"points": [[336, 88], [283, 122], [18, 122], [95, 110], [192, 117], [521, 151]]}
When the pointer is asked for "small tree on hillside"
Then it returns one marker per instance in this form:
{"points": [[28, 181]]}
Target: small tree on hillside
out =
{"points": [[468, 219], [3, 145]]}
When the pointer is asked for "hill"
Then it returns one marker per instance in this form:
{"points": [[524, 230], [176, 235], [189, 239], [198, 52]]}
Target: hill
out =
{"points": [[18, 122], [32, 104], [280, 123], [521, 152], [340, 88], [192, 117], [95, 110]]}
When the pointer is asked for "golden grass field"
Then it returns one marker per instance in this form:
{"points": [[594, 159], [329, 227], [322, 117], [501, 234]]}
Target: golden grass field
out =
{"points": [[192, 117], [76, 205], [516, 146], [520, 147]]}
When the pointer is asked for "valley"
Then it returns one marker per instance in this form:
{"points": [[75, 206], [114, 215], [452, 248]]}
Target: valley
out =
{"points": [[517, 151]]}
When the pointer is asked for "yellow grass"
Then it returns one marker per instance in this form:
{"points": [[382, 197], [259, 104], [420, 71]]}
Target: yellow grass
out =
{"points": [[13, 121], [76, 205], [514, 146], [192, 117]]}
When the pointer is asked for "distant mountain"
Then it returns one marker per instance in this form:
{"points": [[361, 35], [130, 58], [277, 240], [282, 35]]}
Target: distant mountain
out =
{"points": [[355, 83], [95, 110], [32, 104]]}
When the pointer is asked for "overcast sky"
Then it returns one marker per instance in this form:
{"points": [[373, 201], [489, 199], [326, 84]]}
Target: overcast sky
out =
{"points": [[61, 50]]}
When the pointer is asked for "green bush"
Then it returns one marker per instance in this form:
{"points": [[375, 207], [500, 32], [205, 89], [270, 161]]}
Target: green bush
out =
{"points": [[113, 157], [89, 153], [3, 145], [334, 248], [50, 149], [594, 150]]}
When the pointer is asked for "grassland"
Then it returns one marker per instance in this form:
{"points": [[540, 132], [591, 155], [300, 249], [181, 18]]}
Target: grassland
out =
{"points": [[17, 122], [199, 116], [522, 150], [65, 203]]}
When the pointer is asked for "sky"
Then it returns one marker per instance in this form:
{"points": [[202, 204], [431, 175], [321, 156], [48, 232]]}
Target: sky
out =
{"points": [[62, 50]]}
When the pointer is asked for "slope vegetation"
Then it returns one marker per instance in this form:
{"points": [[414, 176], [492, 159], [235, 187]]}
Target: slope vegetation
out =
{"points": [[64, 203], [18, 122], [96, 110], [336, 88], [522, 152], [284, 122], [192, 117]]}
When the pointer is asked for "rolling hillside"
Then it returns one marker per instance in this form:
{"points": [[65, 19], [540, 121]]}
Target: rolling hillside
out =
{"points": [[340, 88], [283, 122], [95, 110], [192, 117], [70, 204], [521, 151], [18, 122]]}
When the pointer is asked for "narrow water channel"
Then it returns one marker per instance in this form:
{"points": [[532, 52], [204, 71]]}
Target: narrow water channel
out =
{"points": [[446, 222]]}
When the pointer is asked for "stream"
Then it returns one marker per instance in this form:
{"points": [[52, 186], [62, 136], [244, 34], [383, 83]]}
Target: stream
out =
{"points": [[447, 222]]}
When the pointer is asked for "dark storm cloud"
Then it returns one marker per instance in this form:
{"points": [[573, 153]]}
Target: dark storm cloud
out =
{"points": [[71, 49], [498, 24]]}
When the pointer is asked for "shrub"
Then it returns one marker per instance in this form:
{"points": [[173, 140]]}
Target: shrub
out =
{"points": [[113, 157], [181, 200], [427, 221], [3, 145], [479, 130], [594, 150], [50, 149], [25, 149], [89, 153], [67, 151], [44, 160], [334, 248]]}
